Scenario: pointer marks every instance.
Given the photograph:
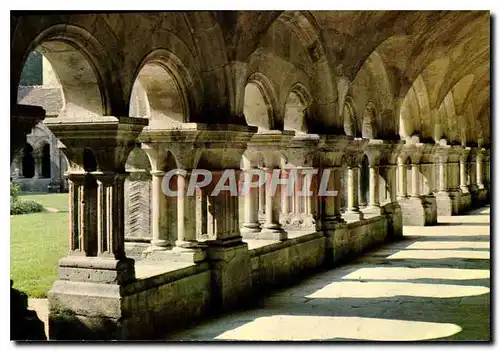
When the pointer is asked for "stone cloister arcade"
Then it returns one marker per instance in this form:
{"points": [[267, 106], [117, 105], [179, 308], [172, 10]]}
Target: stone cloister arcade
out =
{"points": [[393, 106]]}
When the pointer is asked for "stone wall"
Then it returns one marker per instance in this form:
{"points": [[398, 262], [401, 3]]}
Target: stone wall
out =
{"points": [[144, 309], [151, 307]]}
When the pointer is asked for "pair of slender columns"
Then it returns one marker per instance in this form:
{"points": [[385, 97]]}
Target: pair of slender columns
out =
{"points": [[272, 206], [165, 208], [97, 214], [353, 188]]}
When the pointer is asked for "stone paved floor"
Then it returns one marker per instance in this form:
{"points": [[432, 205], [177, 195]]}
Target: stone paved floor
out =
{"points": [[433, 285]]}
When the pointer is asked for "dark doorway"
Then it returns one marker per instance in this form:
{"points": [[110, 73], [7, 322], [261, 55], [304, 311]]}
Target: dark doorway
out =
{"points": [[46, 161], [28, 162]]}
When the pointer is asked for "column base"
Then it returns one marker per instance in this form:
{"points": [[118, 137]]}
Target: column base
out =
{"points": [[392, 211], [372, 211], [272, 232], [448, 202], [96, 269], [230, 275], [179, 254], [84, 311], [419, 211], [298, 222], [352, 216], [157, 245], [249, 228]]}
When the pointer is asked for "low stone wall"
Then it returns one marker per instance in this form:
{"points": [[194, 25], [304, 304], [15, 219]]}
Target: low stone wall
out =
{"points": [[150, 307], [278, 263], [144, 309], [465, 202], [282, 262]]}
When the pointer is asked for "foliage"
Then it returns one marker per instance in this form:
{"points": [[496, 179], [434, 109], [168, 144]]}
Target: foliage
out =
{"points": [[32, 70], [18, 206], [15, 190], [24, 207]]}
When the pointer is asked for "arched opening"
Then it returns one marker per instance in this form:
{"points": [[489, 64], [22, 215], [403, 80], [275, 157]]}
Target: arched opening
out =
{"points": [[28, 162], [364, 182], [296, 109], [46, 165], [137, 191], [349, 120], [369, 126], [59, 77], [258, 108], [158, 96]]}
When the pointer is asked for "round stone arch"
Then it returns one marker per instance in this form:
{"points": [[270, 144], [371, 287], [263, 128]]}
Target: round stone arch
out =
{"points": [[369, 121], [80, 63], [297, 107], [262, 112], [349, 113], [164, 91]]}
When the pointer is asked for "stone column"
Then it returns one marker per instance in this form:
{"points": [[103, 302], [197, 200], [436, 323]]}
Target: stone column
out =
{"points": [[402, 180], [186, 213], [80, 223], [392, 182], [251, 222], [111, 219], [158, 204], [479, 171], [463, 176], [330, 212], [262, 199], [415, 177], [442, 176], [272, 228], [37, 155], [374, 201], [353, 212], [285, 199]]}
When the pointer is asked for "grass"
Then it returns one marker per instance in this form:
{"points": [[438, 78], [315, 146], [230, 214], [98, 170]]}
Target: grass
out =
{"points": [[57, 201], [37, 242]]}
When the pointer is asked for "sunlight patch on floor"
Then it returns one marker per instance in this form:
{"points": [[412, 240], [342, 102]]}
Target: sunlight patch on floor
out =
{"points": [[302, 328], [449, 245], [352, 289], [404, 273], [437, 254]]}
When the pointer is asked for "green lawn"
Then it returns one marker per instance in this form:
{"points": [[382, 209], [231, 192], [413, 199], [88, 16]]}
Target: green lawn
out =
{"points": [[37, 242], [58, 201]]}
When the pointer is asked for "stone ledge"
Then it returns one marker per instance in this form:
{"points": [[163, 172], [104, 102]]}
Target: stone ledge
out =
{"points": [[278, 245]]}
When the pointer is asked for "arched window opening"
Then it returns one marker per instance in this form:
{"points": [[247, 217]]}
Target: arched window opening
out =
{"points": [[157, 95], [46, 161], [257, 109], [28, 162], [296, 113], [349, 121], [369, 122]]}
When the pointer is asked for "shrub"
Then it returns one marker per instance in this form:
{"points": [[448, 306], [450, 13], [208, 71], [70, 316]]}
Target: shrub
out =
{"points": [[15, 190], [18, 206], [23, 207]]}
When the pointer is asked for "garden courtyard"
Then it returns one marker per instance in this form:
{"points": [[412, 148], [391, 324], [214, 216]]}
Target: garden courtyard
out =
{"points": [[37, 242]]}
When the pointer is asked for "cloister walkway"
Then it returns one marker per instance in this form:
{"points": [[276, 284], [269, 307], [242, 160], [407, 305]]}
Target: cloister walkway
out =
{"points": [[432, 285]]}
